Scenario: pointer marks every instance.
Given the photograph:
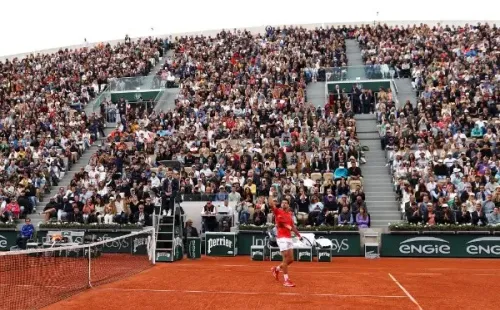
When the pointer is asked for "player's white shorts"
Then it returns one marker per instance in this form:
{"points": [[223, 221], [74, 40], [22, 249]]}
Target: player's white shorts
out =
{"points": [[284, 243]]}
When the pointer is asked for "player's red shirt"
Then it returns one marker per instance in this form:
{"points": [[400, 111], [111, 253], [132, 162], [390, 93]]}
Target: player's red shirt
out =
{"points": [[283, 218]]}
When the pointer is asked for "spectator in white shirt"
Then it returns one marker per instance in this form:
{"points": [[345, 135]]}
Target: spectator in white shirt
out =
{"points": [[206, 171], [155, 181]]}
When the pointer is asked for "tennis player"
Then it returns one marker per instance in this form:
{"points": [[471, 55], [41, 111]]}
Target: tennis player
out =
{"points": [[284, 224]]}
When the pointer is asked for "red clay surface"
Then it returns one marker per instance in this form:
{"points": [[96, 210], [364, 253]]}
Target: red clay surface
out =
{"points": [[45, 280], [345, 283]]}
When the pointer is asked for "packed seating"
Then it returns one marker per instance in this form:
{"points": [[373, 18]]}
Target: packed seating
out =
{"points": [[243, 130], [442, 149], [43, 125]]}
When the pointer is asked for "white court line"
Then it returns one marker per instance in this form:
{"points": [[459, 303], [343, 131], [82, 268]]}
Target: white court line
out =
{"points": [[405, 291], [422, 274], [243, 293]]}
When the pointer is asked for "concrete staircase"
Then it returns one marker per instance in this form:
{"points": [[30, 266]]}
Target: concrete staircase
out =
{"points": [[380, 196], [356, 68], [315, 93], [167, 99], [405, 92]]}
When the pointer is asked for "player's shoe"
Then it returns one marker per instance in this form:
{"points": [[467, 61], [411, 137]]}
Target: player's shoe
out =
{"points": [[288, 283], [275, 273]]}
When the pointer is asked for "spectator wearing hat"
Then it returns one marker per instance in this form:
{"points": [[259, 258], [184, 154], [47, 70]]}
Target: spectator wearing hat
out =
{"points": [[222, 195], [446, 216]]}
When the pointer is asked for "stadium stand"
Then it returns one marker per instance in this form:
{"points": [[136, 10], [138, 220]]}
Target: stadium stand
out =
{"points": [[243, 129], [44, 128], [441, 149]]}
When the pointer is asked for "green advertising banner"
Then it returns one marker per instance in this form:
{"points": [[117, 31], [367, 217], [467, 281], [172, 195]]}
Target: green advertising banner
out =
{"points": [[141, 244], [220, 243], [8, 239], [343, 244], [442, 245], [247, 239], [134, 96], [193, 247]]}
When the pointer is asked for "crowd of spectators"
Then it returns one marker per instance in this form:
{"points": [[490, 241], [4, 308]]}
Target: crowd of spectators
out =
{"points": [[442, 149], [43, 125], [243, 130]]}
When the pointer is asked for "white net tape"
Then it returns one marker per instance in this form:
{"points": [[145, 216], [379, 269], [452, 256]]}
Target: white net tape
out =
{"points": [[61, 247]]}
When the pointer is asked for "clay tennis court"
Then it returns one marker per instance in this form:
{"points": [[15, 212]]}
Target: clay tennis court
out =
{"points": [[345, 283]]}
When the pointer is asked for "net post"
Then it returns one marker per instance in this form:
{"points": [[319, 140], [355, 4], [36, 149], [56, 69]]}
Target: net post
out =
{"points": [[90, 268], [153, 247]]}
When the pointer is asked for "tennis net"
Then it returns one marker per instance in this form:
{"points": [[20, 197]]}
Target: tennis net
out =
{"points": [[35, 278]]}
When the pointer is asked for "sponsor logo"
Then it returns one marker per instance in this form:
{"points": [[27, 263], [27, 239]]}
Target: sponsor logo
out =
{"points": [[137, 96], [192, 248], [305, 254], [141, 241], [324, 254], [258, 241], [220, 242], [484, 245], [115, 244], [257, 253], [3, 242], [422, 245], [160, 255], [340, 245]]}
